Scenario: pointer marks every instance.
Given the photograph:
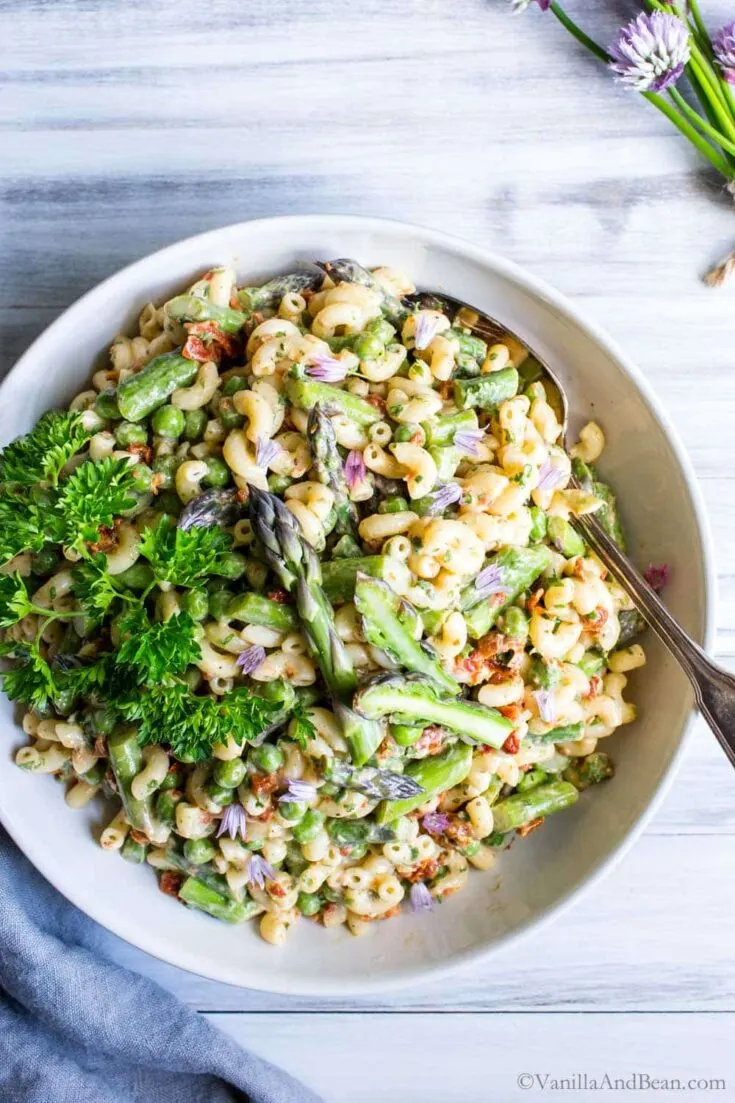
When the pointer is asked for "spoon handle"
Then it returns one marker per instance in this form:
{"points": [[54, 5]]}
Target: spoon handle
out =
{"points": [[714, 688]]}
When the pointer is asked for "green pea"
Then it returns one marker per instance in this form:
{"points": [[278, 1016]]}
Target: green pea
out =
{"points": [[393, 505], [195, 422], [358, 851], [380, 328], [168, 421], [295, 861], [165, 466], [268, 757], [142, 476], [169, 502], [195, 603], [199, 851], [95, 775], [531, 779], [406, 431], [229, 775], [219, 599], [64, 701], [309, 903], [234, 384], [136, 577], [218, 473], [496, 839], [127, 433], [231, 565], [133, 852], [219, 794], [44, 561], [369, 347], [278, 484], [348, 832], [174, 779], [228, 415], [406, 735], [106, 405], [291, 810], [308, 829]]}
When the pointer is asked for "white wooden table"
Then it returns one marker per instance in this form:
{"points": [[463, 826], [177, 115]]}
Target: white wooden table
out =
{"points": [[128, 125]]}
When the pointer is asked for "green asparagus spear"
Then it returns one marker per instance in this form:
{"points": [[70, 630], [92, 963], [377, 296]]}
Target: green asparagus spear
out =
{"points": [[522, 808], [433, 774], [583, 772], [388, 623], [297, 566], [269, 295], [306, 393], [516, 568], [176, 859], [442, 430], [197, 894], [255, 609], [344, 270], [631, 625], [339, 575], [568, 733], [363, 736], [607, 515], [330, 470], [415, 698], [592, 662], [141, 394], [486, 392], [126, 760], [190, 308], [564, 538]]}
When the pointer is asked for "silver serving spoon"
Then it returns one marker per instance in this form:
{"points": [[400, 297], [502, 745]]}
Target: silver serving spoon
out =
{"points": [[714, 688]]}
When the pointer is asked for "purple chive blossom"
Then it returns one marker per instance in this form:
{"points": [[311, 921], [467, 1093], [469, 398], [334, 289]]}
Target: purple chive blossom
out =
{"points": [[355, 470], [490, 581], [234, 822], [260, 871], [426, 329], [468, 440], [265, 452], [651, 52], [435, 823], [549, 476], [657, 576], [250, 659], [420, 898], [521, 5], [298, 791], [446, 496], [724, 47], [546, 708], [326, 368]]}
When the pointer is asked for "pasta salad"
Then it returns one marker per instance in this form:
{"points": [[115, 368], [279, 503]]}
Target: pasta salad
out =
{"points": [[293, 583]]}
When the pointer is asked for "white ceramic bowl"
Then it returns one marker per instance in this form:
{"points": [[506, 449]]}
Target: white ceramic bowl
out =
{"points": [[537, 877]]}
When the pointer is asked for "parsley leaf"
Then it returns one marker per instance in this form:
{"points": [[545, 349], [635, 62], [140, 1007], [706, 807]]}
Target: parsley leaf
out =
{"points": [[41, 454], [157, 651], [32, 682], [192, 725], [94, 495], [180, 556], [301, 729], [94, 588], [14, 600], [27, 522]]}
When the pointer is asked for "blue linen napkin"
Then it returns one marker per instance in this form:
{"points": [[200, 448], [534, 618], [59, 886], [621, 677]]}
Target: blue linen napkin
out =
{"points": [[74, 1028]]}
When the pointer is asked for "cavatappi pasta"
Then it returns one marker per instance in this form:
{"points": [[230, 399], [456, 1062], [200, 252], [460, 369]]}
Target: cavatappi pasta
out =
{"points": [[293, 585]]}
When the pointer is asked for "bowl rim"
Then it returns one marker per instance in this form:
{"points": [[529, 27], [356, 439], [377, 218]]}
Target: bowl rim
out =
{"points": [[157, 945]]}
